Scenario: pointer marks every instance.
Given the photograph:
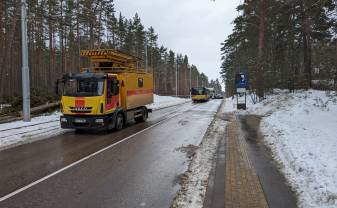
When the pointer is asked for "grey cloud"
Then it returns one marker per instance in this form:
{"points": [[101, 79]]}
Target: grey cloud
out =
{"points": [[192, 27]]}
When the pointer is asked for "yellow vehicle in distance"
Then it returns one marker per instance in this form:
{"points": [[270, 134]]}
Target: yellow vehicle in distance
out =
{"points": [[107, 95], [200, 94]]}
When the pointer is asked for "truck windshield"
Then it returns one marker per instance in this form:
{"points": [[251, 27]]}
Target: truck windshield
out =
{"points": [[84, 87], [198, 91]]}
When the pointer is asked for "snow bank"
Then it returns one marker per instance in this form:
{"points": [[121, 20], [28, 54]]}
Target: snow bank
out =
{"points": [[300, 129], [36, 120], [19, 132], [42, 127], [265, 107], [166, 101], [194, 181]]}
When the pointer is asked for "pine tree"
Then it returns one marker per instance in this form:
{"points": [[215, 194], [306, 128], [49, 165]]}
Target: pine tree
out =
{"points": [[292, 39]]}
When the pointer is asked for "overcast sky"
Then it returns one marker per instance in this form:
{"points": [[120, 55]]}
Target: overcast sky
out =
{"points": [[192, 27]]}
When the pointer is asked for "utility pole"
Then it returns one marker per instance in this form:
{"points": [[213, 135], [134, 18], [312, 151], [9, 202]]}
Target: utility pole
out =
{"points": [[25, 68], [177, 77], [145, 51]]}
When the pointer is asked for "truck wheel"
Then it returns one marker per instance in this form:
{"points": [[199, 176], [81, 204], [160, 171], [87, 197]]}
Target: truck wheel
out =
{"points": [[119, 121], [143, 117]]}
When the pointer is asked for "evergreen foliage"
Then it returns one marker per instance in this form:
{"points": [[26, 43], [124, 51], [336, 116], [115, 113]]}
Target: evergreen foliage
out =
{"points": [[296, 42]]}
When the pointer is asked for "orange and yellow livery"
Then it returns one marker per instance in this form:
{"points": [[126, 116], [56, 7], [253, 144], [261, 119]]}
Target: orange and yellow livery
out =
{"points": [[107, 94]]}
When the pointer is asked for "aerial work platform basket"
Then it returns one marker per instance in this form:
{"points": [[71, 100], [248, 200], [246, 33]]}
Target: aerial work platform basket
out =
{"points": [[110, 60]]}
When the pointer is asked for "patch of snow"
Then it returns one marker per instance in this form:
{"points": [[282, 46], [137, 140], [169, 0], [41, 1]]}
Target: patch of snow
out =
{"points": [[19, 132], [195, 179], [166, 101], [36, 120], [300, 128], [265, 107]]}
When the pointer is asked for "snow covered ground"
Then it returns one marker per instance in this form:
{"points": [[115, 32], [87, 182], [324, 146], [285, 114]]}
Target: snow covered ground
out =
{"points": [[194, 181], [19, 132], [166, 101], [300, 129]]}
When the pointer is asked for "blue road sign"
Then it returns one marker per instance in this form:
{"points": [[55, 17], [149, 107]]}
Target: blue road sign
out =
{"points": [[241, 80]]}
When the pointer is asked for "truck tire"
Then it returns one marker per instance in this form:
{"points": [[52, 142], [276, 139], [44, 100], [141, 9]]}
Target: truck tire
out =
{"points": [[119, 121], [143, 117]]}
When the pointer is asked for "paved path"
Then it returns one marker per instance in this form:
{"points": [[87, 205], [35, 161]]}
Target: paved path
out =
{"points": [[242, 185]]}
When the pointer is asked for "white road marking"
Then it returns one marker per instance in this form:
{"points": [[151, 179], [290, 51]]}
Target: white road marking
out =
{"points": [[81, 160]]}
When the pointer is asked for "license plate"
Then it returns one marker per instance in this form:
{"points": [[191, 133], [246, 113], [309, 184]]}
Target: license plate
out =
{"points": [[80, 120]]}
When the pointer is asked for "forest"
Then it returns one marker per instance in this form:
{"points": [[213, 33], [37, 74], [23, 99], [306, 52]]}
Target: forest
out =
{"points": [[287, 44], [59, 29]]}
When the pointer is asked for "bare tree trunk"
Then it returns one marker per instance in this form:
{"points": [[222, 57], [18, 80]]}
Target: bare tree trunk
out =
{"points": [[78, 35], [51, 43], [306, 45], [165, 81], [99, 27], [91, 35], [2, 44], [185, 88], [9, 47], [335, 78], [307, 57], [260, 70], [62, 32], [65, 54]]}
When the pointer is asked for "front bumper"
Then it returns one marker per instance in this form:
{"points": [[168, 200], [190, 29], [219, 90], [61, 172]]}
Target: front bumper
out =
{"points": [[199, 99], [86, 122]]}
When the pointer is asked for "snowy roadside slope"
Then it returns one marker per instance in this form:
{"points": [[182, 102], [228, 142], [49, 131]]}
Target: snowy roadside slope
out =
{"points": [[302, 134], [265, 108], [301, 131], [42, 127]]}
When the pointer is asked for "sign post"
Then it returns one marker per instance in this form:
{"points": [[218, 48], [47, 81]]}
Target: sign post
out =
{"points": [[241, 85]]}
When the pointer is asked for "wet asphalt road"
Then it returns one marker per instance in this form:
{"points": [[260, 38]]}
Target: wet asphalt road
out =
{"points": [[138, 172]]}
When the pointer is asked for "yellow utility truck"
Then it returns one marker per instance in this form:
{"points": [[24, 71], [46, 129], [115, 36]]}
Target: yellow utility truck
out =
{"points": [[108, 94]]}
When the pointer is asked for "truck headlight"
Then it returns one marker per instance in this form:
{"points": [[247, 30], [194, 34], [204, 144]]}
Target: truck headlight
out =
{"points": [[64, 120], [99, 120]]}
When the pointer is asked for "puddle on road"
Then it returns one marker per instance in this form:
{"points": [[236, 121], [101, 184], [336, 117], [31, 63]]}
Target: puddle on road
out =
{"points": [[278, 193]]}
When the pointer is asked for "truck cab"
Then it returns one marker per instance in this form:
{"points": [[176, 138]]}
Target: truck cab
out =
{"points": [[89, 100]]}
